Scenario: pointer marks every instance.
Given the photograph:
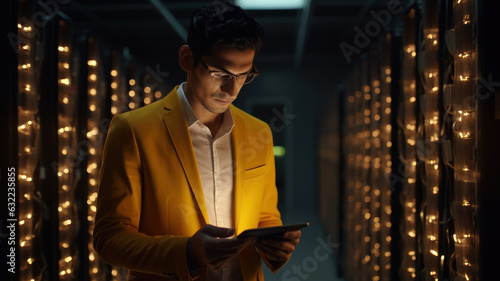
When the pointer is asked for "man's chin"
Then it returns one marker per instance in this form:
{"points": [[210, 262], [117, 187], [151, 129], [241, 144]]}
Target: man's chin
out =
{"points": [[218, 110]]}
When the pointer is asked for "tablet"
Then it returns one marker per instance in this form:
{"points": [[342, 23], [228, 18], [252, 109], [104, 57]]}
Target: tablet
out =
{"points": [[272, 230]]}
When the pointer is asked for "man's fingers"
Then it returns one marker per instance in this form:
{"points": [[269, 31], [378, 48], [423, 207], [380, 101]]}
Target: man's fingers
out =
{"points": [[220, 250], [215, 231], [279, 248], [211, 246], [231, 244], [275, 243], [273, 253], [292, 234], [279, 244]]}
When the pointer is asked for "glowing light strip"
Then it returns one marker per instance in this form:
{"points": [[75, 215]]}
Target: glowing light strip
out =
{"points": [[67, 139], [30, 256]]}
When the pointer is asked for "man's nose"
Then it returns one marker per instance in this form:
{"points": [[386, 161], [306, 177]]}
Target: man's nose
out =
{"points": [[231, 88]]}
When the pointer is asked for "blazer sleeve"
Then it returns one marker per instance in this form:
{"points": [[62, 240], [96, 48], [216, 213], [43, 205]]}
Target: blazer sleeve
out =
{"points": [[116, 234]]}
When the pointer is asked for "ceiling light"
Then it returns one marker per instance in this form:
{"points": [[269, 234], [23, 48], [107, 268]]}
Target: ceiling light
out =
{"points": [[270, 4]]}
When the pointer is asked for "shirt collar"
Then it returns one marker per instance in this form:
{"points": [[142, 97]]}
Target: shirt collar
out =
{"points": [[227, 121], [188, 110]]}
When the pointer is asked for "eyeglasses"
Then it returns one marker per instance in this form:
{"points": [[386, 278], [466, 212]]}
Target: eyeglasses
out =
{"points": [[220, 78]]}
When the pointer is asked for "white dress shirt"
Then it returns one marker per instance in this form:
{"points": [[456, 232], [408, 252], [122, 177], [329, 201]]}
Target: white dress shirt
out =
{"points": [[215, 166]]}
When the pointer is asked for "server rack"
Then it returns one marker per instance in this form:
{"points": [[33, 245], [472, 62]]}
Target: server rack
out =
{"points": [[444, 123], [57, 111]]}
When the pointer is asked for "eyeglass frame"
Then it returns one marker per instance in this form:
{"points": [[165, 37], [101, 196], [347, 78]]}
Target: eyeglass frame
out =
{"points": [[254, 71]]}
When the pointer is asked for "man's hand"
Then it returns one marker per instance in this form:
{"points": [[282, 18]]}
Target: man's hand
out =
{"points": [[279, 248], [209, 246]]}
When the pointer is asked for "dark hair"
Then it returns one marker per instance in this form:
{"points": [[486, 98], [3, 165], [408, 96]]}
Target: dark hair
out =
{"points": [[224, 24]]}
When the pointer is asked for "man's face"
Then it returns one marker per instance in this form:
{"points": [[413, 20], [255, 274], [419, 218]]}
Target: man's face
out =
{"points": [[203, 94]]}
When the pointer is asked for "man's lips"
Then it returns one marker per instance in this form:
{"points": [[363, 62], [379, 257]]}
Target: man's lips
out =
{"points": [[224, 101]]}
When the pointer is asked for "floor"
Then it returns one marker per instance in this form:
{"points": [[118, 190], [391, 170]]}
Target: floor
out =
{"points": [[313, 259]]}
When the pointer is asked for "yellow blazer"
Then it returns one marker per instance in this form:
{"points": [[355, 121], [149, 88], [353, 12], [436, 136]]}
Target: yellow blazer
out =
{"points": [[150, 195]]}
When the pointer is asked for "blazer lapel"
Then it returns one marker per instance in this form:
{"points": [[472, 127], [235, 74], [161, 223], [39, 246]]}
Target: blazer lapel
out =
{"points": [[238, 145], [175, 120]]}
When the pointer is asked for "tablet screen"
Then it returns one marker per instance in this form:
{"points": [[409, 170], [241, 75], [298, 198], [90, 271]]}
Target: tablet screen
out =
{"points": [[272, 230]]}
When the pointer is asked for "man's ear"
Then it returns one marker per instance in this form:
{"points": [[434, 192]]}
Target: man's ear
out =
{"points": [[186, 58]]}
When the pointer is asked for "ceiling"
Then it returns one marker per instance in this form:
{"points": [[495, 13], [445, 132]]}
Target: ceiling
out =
{"points": [[152, 30]]}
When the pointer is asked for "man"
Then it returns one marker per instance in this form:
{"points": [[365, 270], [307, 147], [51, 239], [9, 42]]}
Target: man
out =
{"points": [[182, 177]]}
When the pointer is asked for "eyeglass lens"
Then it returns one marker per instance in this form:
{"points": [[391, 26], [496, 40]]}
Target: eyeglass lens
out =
{"points": [[222, 78]]}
